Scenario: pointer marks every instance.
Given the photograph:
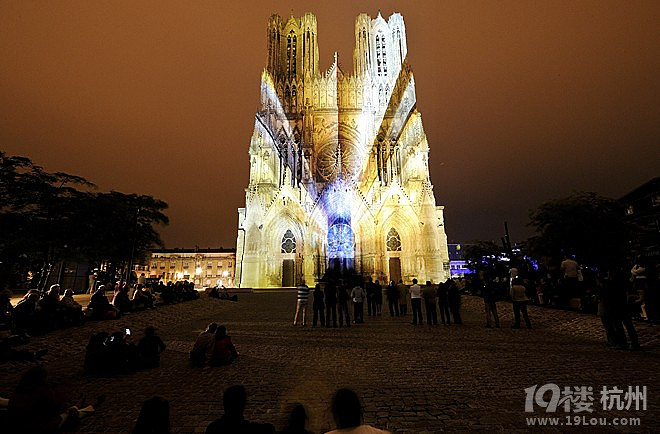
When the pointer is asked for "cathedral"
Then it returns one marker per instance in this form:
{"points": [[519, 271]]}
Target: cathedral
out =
{"points": [[339, 174]]}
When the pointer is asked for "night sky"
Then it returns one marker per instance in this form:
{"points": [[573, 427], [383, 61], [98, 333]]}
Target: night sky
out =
{"points": [[521, 101]]}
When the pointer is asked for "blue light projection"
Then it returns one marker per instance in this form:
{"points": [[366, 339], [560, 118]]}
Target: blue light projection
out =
{"points": [[340, 241], [337, 204]]}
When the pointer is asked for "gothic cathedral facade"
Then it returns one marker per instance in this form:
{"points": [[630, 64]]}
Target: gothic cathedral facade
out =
{"points": [[339, 173]]}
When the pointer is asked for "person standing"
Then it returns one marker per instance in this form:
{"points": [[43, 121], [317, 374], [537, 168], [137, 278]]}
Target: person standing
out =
{"points": [[318, 306], [490, 302], [403, 298], [416, 302], [371, 301], [428, 294], [378, 298], [443, 303], [342, 304], [569, 269], [330, 292], [358, 295], [519, 299], [454, 301], [301, 305], [92, 283], [392, 294]]}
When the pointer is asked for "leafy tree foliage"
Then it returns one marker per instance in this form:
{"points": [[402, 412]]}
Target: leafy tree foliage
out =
{"points": [[585, 224], [46, 217]]}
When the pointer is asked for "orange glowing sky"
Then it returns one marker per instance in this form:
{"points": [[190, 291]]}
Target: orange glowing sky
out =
{"points": [[521, 101]]}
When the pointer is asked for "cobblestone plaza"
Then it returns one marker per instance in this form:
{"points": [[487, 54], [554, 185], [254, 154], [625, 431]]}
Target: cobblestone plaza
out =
{"points": [[411, 379]]}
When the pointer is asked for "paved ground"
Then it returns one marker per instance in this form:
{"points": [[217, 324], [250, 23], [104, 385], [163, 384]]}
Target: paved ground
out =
{"points": [[411, 379]]}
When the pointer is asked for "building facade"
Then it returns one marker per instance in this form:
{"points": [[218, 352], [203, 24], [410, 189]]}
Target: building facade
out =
{"points": [[204, 267], [339, 172]]}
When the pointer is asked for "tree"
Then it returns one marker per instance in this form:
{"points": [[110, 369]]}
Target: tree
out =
{"points": [[49, 217], [585, 224]]}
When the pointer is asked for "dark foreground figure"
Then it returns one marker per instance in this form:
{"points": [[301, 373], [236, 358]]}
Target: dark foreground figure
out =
{"points": [[347, 413], [233, 422]]}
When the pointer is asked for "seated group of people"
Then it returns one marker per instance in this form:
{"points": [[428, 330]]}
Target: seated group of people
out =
{"points": [[36, 314], [100, 308], [111, 354], [213, 347], [182, 290]]}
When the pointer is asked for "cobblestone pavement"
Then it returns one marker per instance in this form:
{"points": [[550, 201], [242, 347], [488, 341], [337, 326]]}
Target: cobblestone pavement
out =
{"points": [[411, 379]]}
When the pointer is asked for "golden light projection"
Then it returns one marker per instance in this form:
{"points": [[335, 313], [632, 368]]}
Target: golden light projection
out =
{"points": [[339, 164]]}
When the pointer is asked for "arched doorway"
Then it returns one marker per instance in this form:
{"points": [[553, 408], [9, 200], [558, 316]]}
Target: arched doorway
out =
{"points": [[393, 243], [288, 250]]}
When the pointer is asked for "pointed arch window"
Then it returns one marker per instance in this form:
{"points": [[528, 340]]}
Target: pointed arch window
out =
{"points": [[378, 55], [288, 242], [294, 95], [393, 241], [381, 55], [288, 54]]}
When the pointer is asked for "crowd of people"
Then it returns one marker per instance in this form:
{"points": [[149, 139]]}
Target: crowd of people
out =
{"points": [[617, 299], [333, 299]]}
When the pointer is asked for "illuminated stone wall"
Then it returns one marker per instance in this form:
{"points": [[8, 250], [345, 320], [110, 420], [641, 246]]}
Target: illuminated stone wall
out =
{"points": [[338, 164]]}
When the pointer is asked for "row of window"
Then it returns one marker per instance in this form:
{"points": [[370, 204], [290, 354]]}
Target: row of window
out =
{"points": [[186, 264]]}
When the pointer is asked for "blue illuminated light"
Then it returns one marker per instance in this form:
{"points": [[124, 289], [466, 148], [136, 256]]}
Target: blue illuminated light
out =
{"points": [[340, 241]]}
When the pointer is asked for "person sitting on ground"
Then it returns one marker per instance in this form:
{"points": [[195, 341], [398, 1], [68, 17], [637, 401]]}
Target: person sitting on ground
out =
{"points": [[203, 347], [100, 307], [121, 301], [224, 295], [142, 299], [49, 308], [154, 417], [122, 354], [25, 313], [297, 421], [37, 407], [7, 353], [71, 310], [96, 354], [233, 422], [224, 351], [347, 413], [214, 293], [149, 349]]}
